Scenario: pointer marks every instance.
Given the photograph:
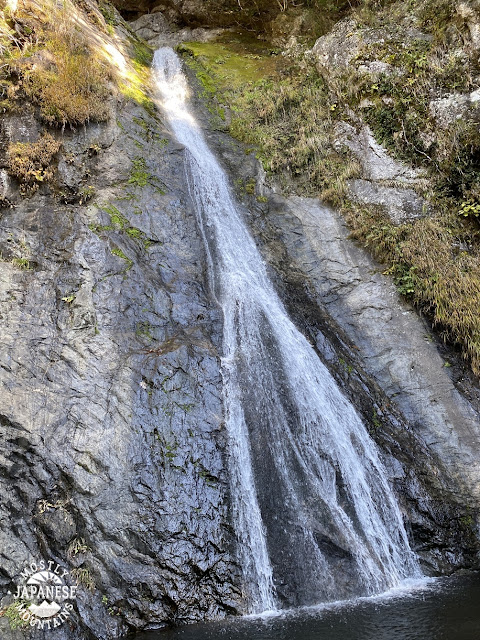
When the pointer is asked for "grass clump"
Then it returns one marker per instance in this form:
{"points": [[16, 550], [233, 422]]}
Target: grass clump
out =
{"points": [[33, 162], [54, 63], [291, 121], [13, 614], [70, 72], [83, 576], [436, 263], [73, 87], [77, 546]]}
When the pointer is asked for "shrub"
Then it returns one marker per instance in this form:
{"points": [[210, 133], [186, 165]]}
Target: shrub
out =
{"points": [[73, 87], [32, 162]]}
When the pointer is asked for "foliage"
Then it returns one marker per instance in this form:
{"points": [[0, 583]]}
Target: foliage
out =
{"points": [[119, 223], [139, 175], [470, 208], [442, 281], [12, 613], [108, 12], [291, 122], [74, 89], [32, 162], [22, 263]]}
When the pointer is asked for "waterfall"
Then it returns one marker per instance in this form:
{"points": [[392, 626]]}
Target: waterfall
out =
{"points": [[315, 516]]}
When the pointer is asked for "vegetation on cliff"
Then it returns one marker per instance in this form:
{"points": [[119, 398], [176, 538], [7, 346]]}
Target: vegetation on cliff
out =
{"points": [[64, 63], [420, 52]]}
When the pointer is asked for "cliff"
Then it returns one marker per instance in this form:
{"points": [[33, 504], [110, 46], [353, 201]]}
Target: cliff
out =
{"points": [[113, 461], [112, 458]]}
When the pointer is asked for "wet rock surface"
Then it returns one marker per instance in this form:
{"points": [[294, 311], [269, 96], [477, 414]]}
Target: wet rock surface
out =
{"points": [[391, 368], [421, 411], [112, 459]]}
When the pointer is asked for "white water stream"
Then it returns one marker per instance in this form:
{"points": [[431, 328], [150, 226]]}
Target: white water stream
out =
{"points": [[311, 501]]}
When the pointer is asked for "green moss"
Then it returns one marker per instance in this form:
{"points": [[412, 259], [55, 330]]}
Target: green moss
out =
{"points": [[134, 90], [142, 52], [226, 65], [149, 132], [13, 615], [139, 175], [119, 223], [144, 330], [100, 228], [120, 254]]}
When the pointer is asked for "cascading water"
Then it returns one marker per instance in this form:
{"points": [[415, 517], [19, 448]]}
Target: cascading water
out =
{"points": [[314, 513]]}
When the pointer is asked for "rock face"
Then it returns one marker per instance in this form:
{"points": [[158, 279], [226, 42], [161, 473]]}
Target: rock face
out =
{"points": [[455, 107], [391, 367], [112, 459], [198, 13], [422, 413], [385, 182], [158, 32], [348, 41]]}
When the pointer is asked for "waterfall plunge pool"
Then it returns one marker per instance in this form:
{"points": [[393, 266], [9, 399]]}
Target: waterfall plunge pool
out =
{"points": [[440, 609]]}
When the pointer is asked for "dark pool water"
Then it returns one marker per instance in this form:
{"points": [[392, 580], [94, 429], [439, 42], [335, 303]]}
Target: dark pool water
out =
{"points": [[444, 609]]}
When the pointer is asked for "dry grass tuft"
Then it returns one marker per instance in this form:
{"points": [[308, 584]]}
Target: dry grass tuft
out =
{"points": [[74, 88], [32, 162], [433, 263], [53, 61]]}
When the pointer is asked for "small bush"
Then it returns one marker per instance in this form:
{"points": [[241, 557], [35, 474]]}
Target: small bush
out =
{"points": [[73, 87], [32, 162]]}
